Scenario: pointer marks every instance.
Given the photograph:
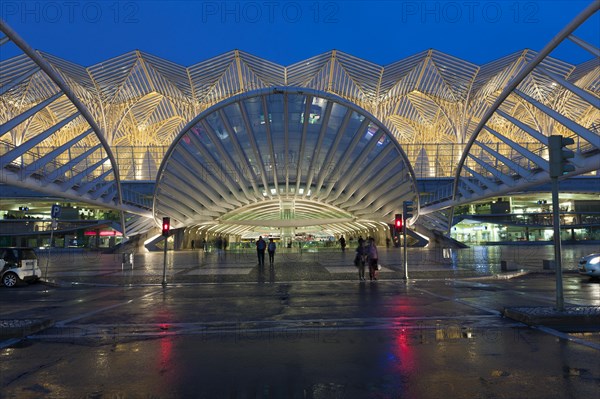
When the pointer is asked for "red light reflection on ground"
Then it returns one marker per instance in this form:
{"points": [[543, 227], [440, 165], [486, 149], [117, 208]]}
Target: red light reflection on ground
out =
{"points": [[166, 349], [405, 350], [165, 356]]}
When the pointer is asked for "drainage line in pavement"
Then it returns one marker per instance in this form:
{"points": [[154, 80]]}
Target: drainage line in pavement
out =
{"points": [[567, 337], [62, 323], [491, 311]]}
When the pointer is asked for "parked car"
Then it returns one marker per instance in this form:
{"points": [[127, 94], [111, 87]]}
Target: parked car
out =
{"points": [[18, 264], [590, 265]]}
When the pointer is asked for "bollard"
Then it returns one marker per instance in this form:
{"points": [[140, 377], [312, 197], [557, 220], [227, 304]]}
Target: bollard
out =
{"points": [[127, 260], [508, 266], [549, 264], [447, 253]]}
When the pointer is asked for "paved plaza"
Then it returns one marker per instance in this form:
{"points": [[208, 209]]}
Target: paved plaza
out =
{"points": [[197, 266], [306, 328]]}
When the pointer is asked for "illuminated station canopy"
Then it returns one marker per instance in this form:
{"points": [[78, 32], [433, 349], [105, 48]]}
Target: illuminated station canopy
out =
{"points": [[282, 159], [237, 143]]}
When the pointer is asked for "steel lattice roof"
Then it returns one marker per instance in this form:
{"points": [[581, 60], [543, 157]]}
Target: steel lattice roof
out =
{"points": [[61, 123]]}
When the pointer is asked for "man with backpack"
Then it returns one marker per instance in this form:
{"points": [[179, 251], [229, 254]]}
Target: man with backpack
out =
{"points": [[261, 245], [271, 248]]}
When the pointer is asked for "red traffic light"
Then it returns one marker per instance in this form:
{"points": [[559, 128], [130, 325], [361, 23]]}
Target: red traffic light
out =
{"points": [[166, 226], [398, 221]]}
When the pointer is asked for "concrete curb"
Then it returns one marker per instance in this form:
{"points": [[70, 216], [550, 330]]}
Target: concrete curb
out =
{"points": [[571, 319], [502, 276], [50, 283], [19, 328]]}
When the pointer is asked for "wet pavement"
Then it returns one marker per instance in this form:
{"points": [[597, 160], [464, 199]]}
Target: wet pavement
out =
{"points": [[306, 328], [77, 266]]}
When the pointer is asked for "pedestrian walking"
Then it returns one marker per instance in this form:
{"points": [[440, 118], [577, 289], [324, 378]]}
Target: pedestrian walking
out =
{"points": [[219, 246], [343, 243], [361, 241], [359, 260], [373, 258], [193, 247], [261, 245], [271, 249]]}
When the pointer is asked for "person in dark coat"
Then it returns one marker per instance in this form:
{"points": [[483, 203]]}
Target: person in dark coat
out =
{"points": [[343, 243], [261, 245], [271, 249]]}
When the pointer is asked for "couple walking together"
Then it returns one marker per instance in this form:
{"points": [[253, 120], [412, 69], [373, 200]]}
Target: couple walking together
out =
{"points": [[366, 254], [261, 245]]}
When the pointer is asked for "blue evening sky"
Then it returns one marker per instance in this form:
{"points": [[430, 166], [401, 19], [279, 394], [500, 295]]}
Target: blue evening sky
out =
{"points": [[285, 32]]}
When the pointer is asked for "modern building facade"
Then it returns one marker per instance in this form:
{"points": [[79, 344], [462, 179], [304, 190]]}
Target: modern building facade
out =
{"points": [[239, 146]]}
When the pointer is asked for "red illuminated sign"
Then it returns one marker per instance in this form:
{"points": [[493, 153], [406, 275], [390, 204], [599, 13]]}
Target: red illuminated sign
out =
{"points": [[104, 233]]}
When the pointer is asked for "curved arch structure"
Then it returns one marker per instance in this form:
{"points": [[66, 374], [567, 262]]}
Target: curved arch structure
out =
{"points": [[495, 163], [284, 158], [47, 123], [529, 166]]}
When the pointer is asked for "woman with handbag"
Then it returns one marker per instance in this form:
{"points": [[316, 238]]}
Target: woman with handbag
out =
{"points": [[373, 258]]}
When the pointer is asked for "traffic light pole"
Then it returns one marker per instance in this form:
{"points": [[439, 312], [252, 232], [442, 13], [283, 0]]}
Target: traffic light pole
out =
{"points": [[52, 227], [164, 279], [166, 227], [405, 257], [559, 156], [560, 306], [407, 213], [54, 215]]}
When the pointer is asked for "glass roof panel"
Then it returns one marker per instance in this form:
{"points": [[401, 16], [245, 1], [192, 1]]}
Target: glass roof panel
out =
{"points": [[345, 158]]}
